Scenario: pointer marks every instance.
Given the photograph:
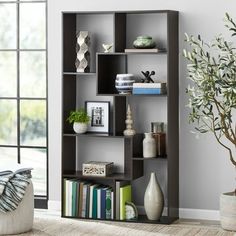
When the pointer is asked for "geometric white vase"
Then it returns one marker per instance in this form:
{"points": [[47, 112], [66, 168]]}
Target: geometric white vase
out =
{"points": [[153, 199]]}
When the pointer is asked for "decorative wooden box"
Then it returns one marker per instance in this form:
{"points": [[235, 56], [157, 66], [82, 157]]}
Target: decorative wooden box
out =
{"points": [[98, 168]]}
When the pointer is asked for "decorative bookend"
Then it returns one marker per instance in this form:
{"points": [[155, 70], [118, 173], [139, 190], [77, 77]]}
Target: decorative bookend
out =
{"points": [[129, 123], [82, 51]]}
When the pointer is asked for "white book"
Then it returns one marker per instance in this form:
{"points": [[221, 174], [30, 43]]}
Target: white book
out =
{"points": [[143, 50], [99, 203], [69, 198], [85, 186], [149, 85], [112, 205]]}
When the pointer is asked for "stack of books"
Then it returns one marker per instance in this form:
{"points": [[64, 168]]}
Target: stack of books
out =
{"points": [[88, 200], [149, 88]]}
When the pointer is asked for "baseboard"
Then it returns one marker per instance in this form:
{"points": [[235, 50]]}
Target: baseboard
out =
{"points": [[54, 205], [184, 213], [200, 214]]}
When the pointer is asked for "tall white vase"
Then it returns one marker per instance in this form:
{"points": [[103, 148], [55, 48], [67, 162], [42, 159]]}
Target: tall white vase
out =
{"points": [[153, 199]]}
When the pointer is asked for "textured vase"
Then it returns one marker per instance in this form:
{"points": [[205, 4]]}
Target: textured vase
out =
{"points": [[82, 52], [228, 211], [80, 128], [149, 146], [144, 41], [153, 199]]}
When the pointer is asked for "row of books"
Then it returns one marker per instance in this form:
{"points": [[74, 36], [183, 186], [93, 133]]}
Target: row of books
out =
{"points": [[149, 88], [89, 200]]}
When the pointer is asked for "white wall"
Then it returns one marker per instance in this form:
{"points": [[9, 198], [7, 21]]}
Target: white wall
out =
{"points": [[205, 171]]}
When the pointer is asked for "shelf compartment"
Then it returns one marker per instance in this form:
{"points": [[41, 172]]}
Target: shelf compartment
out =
{"points": [[108, 66], [111, 64], [78, 174]]}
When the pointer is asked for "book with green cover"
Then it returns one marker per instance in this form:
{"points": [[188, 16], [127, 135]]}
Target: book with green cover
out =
{"points": [[119, 184], [108, 203], [125, 196], [74, 198], [91, 187], [95, 194]]}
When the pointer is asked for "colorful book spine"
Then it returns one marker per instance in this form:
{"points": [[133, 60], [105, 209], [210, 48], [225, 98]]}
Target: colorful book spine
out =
{"points": [[125, 196], [147, 91], [91, 188], [94, 212], [108, 203], [85, 186], [103, 203], [74, 198], [69, 202], [87, 201], [81, 185], [112, 205], [78, 196], [99, 203], [64, 195], [149, 85]]}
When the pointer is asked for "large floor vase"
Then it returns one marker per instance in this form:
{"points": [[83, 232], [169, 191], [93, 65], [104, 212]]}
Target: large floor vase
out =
{"points": [[153, 199], [228, 211]]}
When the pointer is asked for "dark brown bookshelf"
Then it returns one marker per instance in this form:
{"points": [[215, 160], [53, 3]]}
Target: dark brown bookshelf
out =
{"points": [[119, 29]]}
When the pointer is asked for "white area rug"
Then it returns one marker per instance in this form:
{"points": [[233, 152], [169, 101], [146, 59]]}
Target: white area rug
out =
{"points": [[68, 227]]}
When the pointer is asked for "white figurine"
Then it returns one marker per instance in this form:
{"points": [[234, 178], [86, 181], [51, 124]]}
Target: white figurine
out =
{"points": [[107, 47], [129, 122]]}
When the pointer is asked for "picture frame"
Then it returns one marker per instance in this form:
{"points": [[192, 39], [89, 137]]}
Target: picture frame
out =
{"points": [[99, 112]]}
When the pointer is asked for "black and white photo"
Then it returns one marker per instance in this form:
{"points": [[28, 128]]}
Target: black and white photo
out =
{"points": [[99, 116]]}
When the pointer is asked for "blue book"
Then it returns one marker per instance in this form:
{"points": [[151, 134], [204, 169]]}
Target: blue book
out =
{"points": [[103, 203], [147, 91]]}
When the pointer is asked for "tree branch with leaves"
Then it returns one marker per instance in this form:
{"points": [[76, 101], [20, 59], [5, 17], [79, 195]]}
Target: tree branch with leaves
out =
{"points": [[212, 95]]}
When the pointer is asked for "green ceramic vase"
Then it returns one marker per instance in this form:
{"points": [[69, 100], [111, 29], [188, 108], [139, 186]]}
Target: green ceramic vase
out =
{"points": [[144, 41]]}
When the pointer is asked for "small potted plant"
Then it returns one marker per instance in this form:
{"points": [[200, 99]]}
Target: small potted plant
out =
{"points": [[80, 120], [212, 101]]}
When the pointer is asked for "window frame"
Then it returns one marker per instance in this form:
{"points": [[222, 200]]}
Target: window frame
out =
{"points": [[41, 201]]}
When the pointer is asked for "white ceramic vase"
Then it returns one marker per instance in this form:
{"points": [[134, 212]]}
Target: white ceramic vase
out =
{"points": [[80, 128], [227, 211], [153, 199], [149, 146]]}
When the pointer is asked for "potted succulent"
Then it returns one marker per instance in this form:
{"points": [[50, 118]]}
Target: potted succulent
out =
{"points": [[212, 100], [80, 120]]}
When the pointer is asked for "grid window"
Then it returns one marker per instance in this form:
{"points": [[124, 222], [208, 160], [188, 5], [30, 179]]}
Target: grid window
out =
{"points": [[23, 87]]}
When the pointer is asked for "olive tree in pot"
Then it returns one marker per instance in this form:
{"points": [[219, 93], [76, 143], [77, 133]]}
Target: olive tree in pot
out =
{"points": [[80, 120], [212, 100]]}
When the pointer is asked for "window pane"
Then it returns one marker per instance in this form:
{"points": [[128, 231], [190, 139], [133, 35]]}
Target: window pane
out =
{"points": [[8, 122], [8, 81], [8, 26], [36, 158], [33, 26], [8, 156], [33, 74], [33, 123]]}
